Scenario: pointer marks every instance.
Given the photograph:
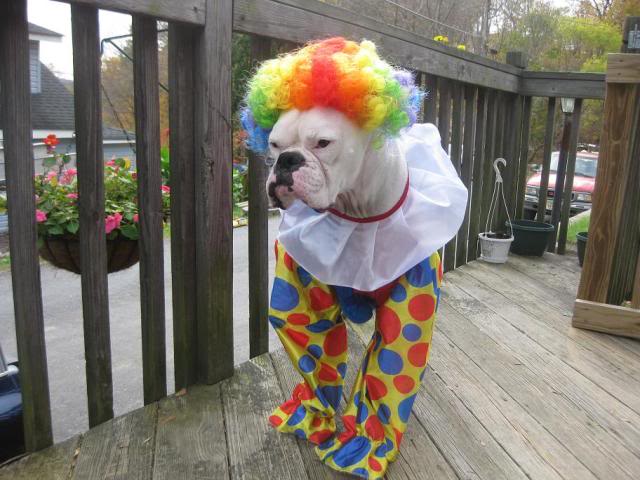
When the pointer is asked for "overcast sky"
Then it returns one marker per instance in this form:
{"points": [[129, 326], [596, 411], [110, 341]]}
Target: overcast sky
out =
{"points": [[56, 16]]}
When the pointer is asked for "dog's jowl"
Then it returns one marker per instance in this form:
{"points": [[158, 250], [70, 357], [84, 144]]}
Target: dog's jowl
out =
{"points": [[367, 198]]}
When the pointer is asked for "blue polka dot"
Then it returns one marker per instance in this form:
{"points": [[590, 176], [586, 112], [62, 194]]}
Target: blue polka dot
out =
{"points": [[399, 293], [404, 409], [360, 472], [315, 350], [363, 413], [352, 452], [276, 322], [284, 296], [357, 308], [327, 444], [381, 450], [420, 275], [411, 332], [342, 369], [389, 444], [320, 326], [384, 413], [365, 362], [389, 362], [304, 276], [300, 433], [377, 339], [297, 416], [332, 395], [356, 399], [307, 364], [320, 396]]}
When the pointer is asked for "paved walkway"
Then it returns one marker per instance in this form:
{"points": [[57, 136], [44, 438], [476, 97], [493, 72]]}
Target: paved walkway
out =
{"points": [[64, 339]]}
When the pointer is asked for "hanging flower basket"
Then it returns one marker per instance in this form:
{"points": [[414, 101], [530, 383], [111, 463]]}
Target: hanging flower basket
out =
{"points": [[494, 246], [64, 252]]}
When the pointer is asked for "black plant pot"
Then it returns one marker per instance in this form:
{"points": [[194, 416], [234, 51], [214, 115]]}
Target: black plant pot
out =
{"points": [[530, 237], [582, 245]]}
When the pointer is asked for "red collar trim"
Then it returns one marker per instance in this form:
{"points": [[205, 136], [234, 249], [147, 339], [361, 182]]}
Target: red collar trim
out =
{"points": [[375, 218]]}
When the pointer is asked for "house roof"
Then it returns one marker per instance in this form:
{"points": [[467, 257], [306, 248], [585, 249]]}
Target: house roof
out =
{"points": [[38, 30]]}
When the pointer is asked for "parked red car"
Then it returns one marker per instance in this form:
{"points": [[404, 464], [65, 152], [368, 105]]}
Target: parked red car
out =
{"points": [[583, 183]]}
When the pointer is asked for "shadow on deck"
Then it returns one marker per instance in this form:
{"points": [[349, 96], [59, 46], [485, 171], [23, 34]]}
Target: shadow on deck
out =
{"points": [[513, 391]]}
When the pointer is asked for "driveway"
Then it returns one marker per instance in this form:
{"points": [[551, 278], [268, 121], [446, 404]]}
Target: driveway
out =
{"points": [[64, 339]]}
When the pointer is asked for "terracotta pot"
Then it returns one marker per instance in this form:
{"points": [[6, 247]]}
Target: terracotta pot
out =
{"points": [[64, 252]]}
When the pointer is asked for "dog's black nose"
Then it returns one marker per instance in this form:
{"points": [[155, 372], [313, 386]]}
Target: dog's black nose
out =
{"points": [[289, 161]]}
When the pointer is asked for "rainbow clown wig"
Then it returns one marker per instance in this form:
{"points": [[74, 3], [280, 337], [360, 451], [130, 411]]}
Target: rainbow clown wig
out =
{"points": [[337, 73]]}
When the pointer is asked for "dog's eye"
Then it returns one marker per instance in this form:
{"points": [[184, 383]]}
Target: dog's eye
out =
{"points": [[323, 143], [273, 145]]}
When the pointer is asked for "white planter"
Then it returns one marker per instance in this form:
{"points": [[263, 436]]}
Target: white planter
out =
{"points": [[4, 223], [494, 250]]}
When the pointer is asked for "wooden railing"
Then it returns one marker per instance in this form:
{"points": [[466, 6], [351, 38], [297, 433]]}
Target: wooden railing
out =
{"points": [[482, 109]]}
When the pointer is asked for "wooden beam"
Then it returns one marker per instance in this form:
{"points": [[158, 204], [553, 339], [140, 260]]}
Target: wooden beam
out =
{"points": [[147, 115], [186, 11], [93, 240], [214, 231], [562, 84], [15, 97], [183, 218], [623, 68], [258, 234], [546, 159], [605, 318]]}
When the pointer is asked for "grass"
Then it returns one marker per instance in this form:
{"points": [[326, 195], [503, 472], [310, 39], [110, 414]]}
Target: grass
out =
{"points": [[5, 263], [580, 225]]}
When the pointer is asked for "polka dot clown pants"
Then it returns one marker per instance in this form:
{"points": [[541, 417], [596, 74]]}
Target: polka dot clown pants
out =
{"points": [[309, 319]]}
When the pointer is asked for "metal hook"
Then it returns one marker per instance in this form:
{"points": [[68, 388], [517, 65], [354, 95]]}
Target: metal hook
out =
{"points": [[495, 167]]}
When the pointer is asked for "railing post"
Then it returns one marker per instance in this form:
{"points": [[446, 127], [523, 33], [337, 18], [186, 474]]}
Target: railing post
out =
{"points": [[147, 110], [183, 216], [523, 168], [546, 159], [258, 234], [15, 99], [93, 242], [478, 185], [214, 234]]}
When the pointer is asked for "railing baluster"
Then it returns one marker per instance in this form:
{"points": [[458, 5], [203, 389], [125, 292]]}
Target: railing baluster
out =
{"points": [[444, 111], [568, 184], [478, 171], [523, 168], [183, 220], [147, 113], [93, 243], [15, 96], [258, 235], [511, 152], [466, 169], [431, 100], [456, 159], [546, 159], [489, 156], [214, 235]]}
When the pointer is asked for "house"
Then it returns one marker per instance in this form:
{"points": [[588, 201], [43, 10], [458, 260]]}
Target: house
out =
{"points": [[52, 110]]}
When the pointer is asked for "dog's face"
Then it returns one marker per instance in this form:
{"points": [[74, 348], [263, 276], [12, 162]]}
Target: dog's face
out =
{"points": [[318, 154]]}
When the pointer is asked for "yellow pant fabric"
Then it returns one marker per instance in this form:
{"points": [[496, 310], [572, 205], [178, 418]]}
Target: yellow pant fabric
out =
{"points": [[308, 317]]}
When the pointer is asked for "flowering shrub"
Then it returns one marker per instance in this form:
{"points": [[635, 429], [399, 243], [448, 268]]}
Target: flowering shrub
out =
{"points": [[57, 197]]}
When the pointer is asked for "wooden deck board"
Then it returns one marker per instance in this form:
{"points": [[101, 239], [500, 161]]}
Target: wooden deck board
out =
{"points": [[512, 391]]}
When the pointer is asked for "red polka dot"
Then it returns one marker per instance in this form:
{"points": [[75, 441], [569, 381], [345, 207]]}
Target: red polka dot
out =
{"points": [[288, 261], [275, 249], [404, 383], [398, 437], [388, 324], [375, 387], [317, 421], [344, 437], [418, 354], [374, 464], [440, 272], [300, 338], [303, 392], [275, 420], [290, 406], [374, 428], [320, 437], [421, 307], [349, 422], [298, 319], [320, 300], [335, 343], [327, 373]]}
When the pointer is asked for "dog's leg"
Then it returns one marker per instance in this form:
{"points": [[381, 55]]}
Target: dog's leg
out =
{"points": [[383, 394], [306, 316]]}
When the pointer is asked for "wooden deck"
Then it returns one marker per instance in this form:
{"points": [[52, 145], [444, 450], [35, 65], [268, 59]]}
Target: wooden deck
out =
{"points": [[512, 392]]}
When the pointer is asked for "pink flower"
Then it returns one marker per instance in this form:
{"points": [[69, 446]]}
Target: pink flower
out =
{"points": [[51, 175], [134, 175], [73, 196], [68, 176], [166, 189], [136, 218], [40, 216], [111, 163], [112, 222]]}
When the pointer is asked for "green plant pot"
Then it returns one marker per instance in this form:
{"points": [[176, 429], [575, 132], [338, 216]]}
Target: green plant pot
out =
{"points": [[582, 245], [530, 237]]}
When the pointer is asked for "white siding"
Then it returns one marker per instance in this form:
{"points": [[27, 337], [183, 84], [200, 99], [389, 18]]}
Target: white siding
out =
{"points": [[34, 66]]}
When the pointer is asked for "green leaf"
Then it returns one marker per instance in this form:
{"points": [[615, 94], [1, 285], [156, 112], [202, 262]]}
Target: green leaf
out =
{"points": [[49, 161], [130, 231], [56, 230], [66, 158], [72, 227]]}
